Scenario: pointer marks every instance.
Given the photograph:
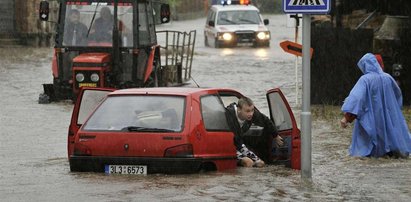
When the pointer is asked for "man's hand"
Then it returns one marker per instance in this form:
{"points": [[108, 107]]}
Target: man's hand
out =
{"points": [[343, 123], [279, 141]]}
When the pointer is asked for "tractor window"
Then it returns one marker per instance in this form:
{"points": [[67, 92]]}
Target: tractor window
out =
{"points": [[125, 18], [151, 26], [91, 24], [144, 34]]}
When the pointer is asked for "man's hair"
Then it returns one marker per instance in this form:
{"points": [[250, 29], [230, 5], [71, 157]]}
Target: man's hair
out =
{"points": [[244, 101]]}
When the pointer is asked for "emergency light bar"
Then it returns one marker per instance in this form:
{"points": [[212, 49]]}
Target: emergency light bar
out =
{"points": [[235, 2]]}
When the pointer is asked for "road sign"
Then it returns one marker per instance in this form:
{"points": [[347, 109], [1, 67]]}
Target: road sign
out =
{"points": [[294, 48], [307, 6]]}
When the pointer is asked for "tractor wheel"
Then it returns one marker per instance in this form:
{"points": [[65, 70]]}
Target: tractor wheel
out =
{"points": [[44, 99]]}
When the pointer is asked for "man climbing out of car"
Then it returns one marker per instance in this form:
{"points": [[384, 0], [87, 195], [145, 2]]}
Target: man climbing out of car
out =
{"points": [[240, 116]]}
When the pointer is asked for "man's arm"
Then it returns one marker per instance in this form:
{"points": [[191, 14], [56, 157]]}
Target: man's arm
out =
{"points": [[262, 120]]}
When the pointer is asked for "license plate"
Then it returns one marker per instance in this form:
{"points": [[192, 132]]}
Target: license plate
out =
{"points": [[126, 169], [87, 85], [244, 44]]}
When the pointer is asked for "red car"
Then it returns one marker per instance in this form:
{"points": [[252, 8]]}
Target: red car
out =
{"points": [[169, 130]]}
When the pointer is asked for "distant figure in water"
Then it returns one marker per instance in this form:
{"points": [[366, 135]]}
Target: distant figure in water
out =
{"points": [[375, 103]]}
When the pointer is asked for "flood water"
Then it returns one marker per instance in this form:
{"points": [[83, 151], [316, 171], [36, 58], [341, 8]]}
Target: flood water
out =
{"points": [[33, 138]]}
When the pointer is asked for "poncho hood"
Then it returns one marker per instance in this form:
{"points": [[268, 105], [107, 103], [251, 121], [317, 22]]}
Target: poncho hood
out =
{"points": [[368, 63]]}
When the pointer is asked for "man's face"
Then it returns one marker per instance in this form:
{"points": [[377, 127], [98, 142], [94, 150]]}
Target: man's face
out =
{"points": [[246, 112], [75, 18]]}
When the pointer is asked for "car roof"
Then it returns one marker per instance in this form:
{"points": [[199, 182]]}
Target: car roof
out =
{"points": [[234, 7], [182, 91]]}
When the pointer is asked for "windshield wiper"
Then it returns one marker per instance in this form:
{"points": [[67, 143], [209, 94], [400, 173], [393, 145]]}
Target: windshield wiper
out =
{"points": [[145, 129], [230, 21], [92, 19], [247, 20]]}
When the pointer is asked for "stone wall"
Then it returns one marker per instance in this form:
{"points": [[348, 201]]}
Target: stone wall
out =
{"points": [[31, 29]]}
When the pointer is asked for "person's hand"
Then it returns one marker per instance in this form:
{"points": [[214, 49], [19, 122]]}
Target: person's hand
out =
{"points": [[279, 141], [344, 123]]}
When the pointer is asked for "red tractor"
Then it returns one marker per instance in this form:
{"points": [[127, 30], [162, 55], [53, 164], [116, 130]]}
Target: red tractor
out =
{"points": [[114, 44]]}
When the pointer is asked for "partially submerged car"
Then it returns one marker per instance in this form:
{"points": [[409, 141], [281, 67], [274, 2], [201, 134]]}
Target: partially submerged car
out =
{"points": [[169, 130]]}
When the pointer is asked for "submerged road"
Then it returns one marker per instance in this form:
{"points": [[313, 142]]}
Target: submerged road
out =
{"points": [[33, 139]]}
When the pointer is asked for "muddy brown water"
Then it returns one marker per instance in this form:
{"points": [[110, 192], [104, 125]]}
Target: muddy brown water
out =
{"points": [[33, 139]]}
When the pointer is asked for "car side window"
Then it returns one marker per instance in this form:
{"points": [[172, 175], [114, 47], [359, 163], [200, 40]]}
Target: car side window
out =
{"points": [[211, 17], [89, 101], [213, 113]]}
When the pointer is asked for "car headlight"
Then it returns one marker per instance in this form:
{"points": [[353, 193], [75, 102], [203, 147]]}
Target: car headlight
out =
{"points": [[227, 37], [94, 77], [263, 35], [79, 77]]}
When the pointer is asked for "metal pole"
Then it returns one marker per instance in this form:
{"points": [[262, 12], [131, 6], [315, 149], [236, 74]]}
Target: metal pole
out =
{"points": [[296, 63], [305, 111]]}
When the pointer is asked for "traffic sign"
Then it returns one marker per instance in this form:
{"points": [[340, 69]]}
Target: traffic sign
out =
{"points": [[294, 48], [307, 6]]}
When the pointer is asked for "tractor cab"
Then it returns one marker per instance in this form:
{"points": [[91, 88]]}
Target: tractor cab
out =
{"points": [[107, 43]]}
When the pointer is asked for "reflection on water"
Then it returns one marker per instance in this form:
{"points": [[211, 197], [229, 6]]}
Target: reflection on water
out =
{"points": [[261, 53], [255, 53], [226, 52]]}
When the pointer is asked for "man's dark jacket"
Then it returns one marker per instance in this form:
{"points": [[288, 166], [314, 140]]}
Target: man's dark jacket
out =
{"points": [[258, 119]]}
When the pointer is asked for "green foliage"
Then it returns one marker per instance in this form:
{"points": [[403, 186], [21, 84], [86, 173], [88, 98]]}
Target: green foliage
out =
{"points": [[173, 3], [333, 114], [269, 6]]}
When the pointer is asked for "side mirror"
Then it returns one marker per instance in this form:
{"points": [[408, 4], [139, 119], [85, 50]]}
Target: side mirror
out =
{"points": [[165, 13], [211, 23], [266, 21], [44, 11]]}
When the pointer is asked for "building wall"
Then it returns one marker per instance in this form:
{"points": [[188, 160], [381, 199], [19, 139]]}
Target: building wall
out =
{"points": [[31, 30], [7, 17]]}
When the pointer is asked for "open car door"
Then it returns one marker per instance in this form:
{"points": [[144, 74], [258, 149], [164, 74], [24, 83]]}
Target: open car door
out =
{"points": [[261, 142], [87, 101], [290, 153]]}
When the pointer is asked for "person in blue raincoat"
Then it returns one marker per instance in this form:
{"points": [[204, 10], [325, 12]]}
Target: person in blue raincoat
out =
{"points": [[375, 102]]}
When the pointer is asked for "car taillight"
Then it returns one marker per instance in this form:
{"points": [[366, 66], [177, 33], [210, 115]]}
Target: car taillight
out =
{"points": [[81, 150], [184, 150]]}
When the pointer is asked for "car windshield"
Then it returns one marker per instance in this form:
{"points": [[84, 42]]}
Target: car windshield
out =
{"points": [[138, 113], [91, 24], [238, 17]]}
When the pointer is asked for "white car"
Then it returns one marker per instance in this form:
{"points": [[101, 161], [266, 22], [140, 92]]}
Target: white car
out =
{"points": [[236, 25]]}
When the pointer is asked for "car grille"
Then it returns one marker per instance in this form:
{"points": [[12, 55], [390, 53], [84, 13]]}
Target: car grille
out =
{"points": [[244, 37]]}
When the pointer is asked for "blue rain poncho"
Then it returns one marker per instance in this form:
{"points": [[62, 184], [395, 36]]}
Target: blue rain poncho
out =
{"points": [[376, 100]]}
